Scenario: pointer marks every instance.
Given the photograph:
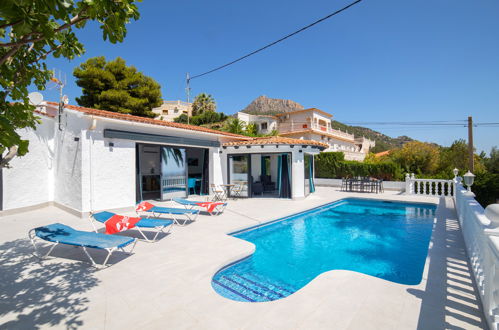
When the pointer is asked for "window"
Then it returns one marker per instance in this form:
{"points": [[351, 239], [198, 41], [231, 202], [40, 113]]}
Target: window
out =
{"points": [[165, 112], [263, 126]]}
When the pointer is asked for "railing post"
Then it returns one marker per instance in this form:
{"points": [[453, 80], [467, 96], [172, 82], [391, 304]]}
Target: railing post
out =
{"points": [[408, 184]]}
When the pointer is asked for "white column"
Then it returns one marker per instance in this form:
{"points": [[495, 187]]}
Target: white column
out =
{"points": [[297, 175]]}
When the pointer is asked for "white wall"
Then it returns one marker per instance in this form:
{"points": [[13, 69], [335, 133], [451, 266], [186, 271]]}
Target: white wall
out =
{"points": [[29, 180], [109, 179], [68, 162], [218, 167]]}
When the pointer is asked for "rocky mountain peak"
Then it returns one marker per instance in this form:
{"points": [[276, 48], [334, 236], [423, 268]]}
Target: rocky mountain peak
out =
{"points": [[264, 105]]}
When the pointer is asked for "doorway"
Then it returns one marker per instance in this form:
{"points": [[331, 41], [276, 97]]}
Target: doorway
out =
{"points": [[261, 175], [165, 172]]}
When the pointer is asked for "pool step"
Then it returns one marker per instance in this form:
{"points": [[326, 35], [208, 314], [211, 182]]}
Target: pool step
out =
{"points": [[250, 288]]}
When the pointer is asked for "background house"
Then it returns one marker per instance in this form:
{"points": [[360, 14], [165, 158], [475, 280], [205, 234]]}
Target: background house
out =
{"points": [[311, 124], [170, 110]]}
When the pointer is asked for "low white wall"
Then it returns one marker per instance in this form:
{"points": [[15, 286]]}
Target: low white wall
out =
{"points": [[387, 185], [480, 229], [29, 180]]}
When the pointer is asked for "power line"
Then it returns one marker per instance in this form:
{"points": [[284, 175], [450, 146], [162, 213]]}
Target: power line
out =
{"points": [[277, 41]]}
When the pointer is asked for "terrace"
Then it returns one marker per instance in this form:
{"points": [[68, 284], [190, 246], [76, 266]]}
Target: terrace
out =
{"points": [[168, 283]]}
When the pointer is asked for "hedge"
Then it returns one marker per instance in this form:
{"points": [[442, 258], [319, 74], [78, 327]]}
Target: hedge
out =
{"points": [[332, 165]]}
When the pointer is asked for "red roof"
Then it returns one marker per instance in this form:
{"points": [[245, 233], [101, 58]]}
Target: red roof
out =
{"points": [[383, 153], [275, 140], [122, 116]]}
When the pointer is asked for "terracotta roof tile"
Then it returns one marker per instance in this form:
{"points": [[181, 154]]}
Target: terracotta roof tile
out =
{"points": [[121, 116], [383, 153], [43, 113], [275, 140]]}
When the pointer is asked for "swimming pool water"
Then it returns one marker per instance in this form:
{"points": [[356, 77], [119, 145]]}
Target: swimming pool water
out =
{"points": [[388, 240]]}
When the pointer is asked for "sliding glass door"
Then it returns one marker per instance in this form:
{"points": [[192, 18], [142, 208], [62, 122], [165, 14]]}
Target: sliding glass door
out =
{"points": [[239, 169], [173, 173]]}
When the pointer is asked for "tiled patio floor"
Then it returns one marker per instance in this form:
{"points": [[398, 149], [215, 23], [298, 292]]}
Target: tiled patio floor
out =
{"points": [[166, 285]]}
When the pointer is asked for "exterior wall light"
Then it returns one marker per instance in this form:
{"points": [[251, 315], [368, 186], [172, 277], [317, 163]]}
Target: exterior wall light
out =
{"points": [[469, 178]]}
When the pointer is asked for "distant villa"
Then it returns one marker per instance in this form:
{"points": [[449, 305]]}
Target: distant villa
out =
{"points": [[311, 124]]}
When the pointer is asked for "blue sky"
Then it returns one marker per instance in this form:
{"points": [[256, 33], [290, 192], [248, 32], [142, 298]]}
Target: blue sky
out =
{"points": [[380, 61]]}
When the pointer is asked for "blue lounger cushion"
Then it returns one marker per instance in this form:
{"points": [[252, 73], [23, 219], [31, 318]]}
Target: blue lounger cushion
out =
{"points": [[185, 201], [188, 202], [59, 233], [144, 223], [171, 210]]}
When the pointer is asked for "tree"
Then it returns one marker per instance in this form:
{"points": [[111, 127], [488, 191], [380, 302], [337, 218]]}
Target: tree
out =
{"points": [[203, 103], [252, 129], [417, 157], [116, 87], [457, 156], [234, 125], [492, 162], [202, 119], [32, 30]]}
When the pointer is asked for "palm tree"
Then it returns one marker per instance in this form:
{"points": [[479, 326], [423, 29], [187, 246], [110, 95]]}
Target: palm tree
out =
{"points": [[203, 103], [234, 125], [252, 129]]}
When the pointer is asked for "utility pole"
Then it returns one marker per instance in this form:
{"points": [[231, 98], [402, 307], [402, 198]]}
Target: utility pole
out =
{"points": [[470, 145], [188, 91]]}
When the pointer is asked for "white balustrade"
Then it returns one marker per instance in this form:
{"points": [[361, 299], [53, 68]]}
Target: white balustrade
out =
{"points": [[481, 237], [428, 187]]}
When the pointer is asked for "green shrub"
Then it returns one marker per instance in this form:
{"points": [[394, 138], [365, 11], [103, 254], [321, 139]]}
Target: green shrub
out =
{"points": [[332, 165], [486, 188]]}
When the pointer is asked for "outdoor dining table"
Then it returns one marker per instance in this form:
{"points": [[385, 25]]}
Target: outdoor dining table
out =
{"points": [[227, 189], [362, 184]]}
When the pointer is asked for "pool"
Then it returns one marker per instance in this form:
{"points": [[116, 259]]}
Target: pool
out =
{"points": [[385, 239]]}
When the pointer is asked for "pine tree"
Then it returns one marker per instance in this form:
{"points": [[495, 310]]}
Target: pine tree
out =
{"points": [[116, 87]]}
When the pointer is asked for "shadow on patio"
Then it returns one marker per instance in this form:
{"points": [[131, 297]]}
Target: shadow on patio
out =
{"points": [[36, 294], [450, 300]]}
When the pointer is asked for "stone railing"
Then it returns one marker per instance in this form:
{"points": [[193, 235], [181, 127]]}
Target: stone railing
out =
{"points": [[334, 132], [428, 187], [480, 230]]}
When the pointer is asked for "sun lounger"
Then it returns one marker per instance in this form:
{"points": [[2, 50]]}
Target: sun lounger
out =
{"points": [[173, 212], [159, 225], [211, 207], [61, 234]]}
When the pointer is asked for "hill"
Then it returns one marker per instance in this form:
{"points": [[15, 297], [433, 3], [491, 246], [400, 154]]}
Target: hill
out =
{"points": [[264, 105], [383, 142]]}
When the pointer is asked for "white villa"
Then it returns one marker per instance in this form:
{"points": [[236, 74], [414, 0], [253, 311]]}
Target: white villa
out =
{"points": [[312, 124], [84, 160], [170, 110], [87, 159]]}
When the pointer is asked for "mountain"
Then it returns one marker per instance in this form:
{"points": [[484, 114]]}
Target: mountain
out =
{"points": [[264, 105], [383, 142]]}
